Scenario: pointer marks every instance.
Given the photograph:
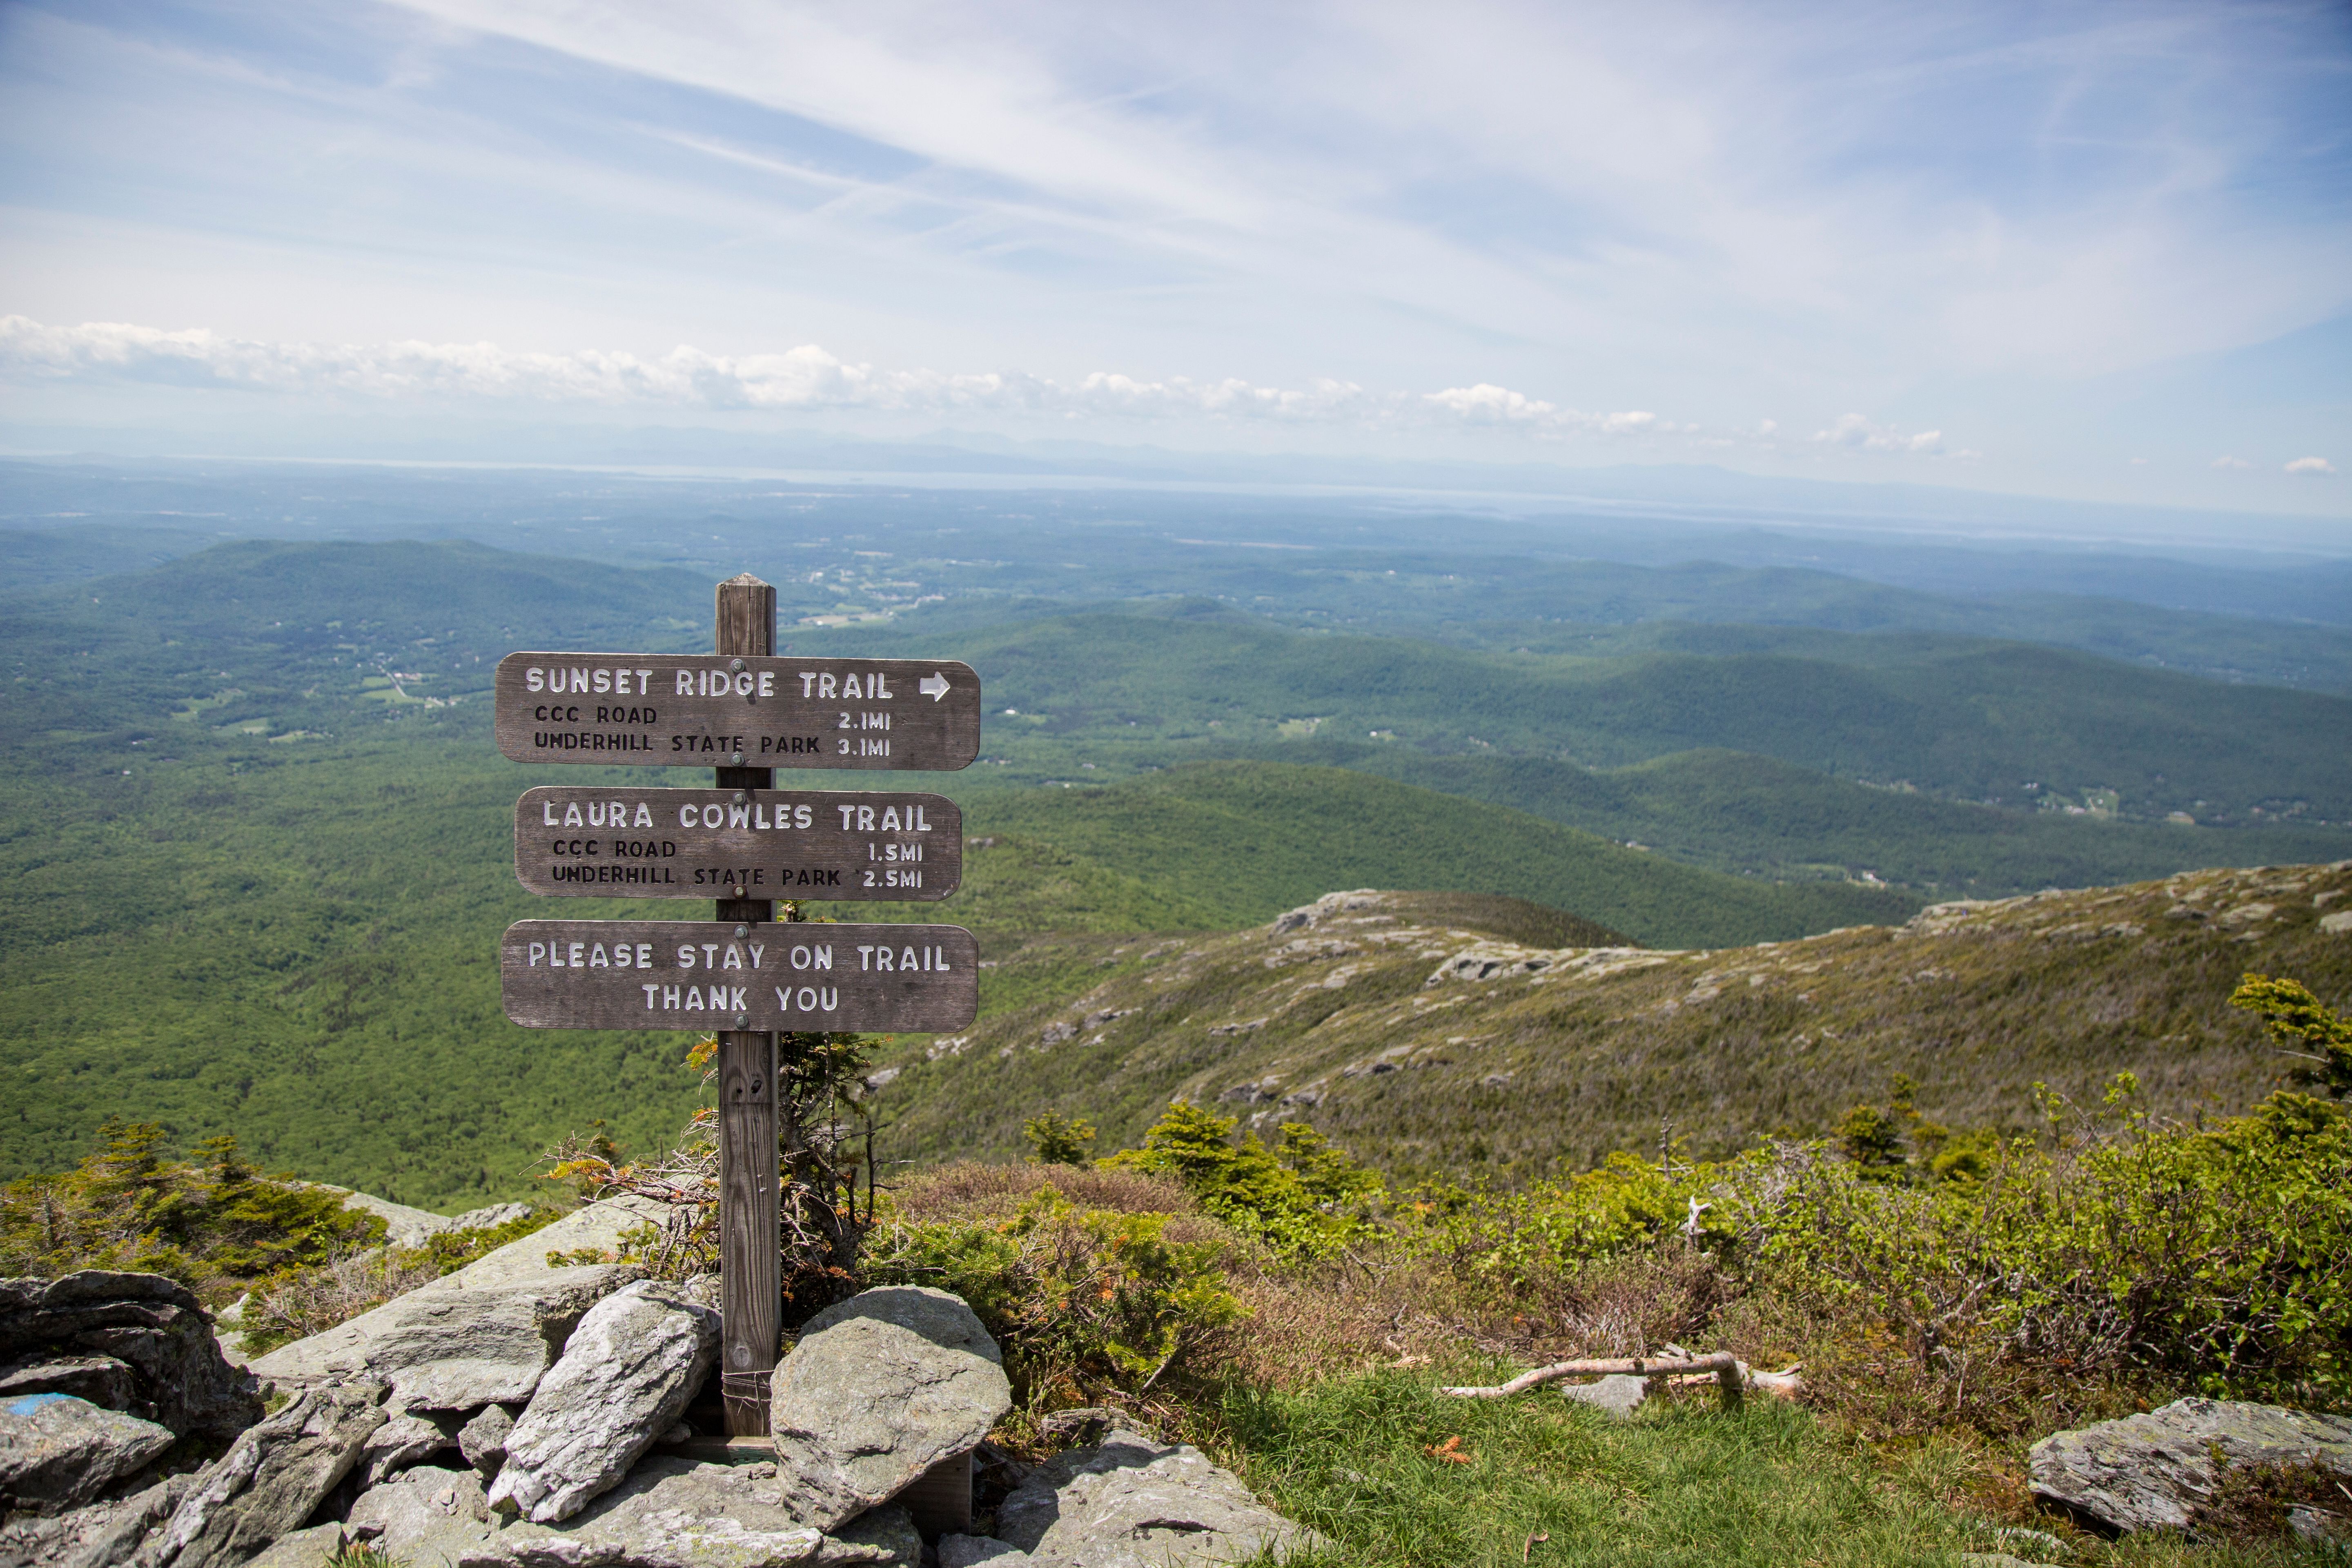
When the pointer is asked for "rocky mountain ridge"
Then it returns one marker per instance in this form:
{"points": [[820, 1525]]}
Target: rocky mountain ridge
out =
{"points": [[1409, 1029]]}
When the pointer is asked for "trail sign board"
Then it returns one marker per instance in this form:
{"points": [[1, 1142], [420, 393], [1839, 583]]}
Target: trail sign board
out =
{"points": [[711, 975], [627, 841], [704, 710]]}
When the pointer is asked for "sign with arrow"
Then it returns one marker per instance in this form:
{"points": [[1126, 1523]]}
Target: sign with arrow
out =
{"points": [[705, 711]]}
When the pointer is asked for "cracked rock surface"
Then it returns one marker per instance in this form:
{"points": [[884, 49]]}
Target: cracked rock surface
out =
{"points": [[2151, 1471], [1129, 1501]]}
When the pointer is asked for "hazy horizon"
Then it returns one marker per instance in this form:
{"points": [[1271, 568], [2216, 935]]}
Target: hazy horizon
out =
{"points": [[2097, 253]]}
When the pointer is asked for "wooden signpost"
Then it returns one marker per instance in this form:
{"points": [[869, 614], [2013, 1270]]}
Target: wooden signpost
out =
{"points": [[744, 712]]}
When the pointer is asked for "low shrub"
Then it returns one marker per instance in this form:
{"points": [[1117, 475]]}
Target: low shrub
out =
{"points": [[213, 1222], [1083, 1301], [1303, 1198]]}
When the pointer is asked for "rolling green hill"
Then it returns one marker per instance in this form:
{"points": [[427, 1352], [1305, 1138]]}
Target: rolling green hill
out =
{"points": [[253, 831], [1735, 811], [1249, 839], [296, 941], [1965, 719], [1429, 1042]]}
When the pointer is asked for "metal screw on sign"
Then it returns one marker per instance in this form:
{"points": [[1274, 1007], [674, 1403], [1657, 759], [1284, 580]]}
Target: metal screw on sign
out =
{"points": [[737, 665], [735, 760], [740, 797], [742, 1019], [742, 931]]}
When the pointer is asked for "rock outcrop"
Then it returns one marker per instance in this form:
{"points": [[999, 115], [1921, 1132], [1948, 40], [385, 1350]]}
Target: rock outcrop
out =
{"points": [[58, 1452], [624, 1378], [271, 1480], [483, 1440], [677, 1513], [406, 1440], [425, 1516], [880, 1388], [1131, 1502], [484, 1335], [2152, 1471], [140, 1343]]}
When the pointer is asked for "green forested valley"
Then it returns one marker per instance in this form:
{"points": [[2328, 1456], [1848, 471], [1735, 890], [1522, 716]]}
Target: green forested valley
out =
{"points": [[255, 840]]}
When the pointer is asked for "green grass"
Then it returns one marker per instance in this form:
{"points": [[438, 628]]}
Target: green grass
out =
{"points": [[1683, 1486]]}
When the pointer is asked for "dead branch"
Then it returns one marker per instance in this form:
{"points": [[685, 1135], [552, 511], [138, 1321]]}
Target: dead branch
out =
{"points": [[1731, 1375]]}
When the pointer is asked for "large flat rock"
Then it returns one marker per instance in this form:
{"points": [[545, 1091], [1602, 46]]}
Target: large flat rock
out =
{"points": [[2153, 1471], [877, 1390], [1131, 1501], [484, 1335]]}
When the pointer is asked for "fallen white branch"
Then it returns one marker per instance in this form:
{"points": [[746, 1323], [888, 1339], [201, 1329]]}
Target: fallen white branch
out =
{"points": [[1731, 1375]]}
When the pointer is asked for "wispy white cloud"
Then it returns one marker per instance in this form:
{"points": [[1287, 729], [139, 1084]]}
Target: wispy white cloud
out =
{"points": [[804, 378], [2231, 464], [2314, 466], [1867, 435]]}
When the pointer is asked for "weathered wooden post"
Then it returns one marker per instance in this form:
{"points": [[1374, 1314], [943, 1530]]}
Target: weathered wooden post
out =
{"points": [[744, 712], [750, 1283]]}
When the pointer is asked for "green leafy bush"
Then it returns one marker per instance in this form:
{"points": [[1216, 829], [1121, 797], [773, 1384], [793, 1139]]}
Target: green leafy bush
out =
{"points": [[1089, 1298], [1303, 1198], [2113, 1251]]}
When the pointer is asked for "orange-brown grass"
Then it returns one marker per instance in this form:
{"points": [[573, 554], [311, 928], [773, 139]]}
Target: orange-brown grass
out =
{"points": [[971, 1190]]}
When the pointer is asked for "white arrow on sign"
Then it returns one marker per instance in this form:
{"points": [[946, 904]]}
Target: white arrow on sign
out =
{"points": [[933, 686]]}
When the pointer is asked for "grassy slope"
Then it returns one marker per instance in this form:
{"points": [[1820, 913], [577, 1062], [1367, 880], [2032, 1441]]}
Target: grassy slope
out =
{"points": [[1533, 1072]]}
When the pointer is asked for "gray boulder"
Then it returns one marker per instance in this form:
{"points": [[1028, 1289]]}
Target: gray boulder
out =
{"points": [[483, 1335], [880, 1388], [1132, 1502], [101, 1379], [58, 1452], [2151, 1471], [427, 1516], [625, 1379], [303, 1548], [150, 1324], [406, 1440], [271, 1480], [483, 1440], [679, 1513], [884, 1537], [980, 1551], [117, 1530], [490, 1218]]}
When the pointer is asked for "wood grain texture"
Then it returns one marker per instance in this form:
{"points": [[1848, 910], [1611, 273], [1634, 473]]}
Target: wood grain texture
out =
{"points": [[628, 841], [698, 710], [750, 1282], [738, 974], [751, 1218]]}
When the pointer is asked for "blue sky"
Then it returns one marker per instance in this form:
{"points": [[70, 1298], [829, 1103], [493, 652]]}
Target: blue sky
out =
{"points": [[2095, 251]]}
